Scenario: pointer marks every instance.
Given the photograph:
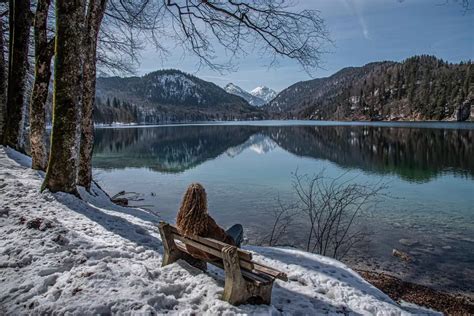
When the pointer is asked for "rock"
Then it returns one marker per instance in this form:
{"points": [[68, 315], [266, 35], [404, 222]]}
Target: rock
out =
{"points": [[464, 111], [120, 201], [61, 240], [402, 255], [5, 212], [39, 224], [408, 242]]}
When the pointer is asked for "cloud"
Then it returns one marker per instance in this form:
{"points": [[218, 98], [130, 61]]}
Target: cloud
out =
{"points": [[354, 8]]}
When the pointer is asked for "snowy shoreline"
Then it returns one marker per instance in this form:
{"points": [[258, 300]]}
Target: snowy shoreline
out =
{"points": [[60, 254]]}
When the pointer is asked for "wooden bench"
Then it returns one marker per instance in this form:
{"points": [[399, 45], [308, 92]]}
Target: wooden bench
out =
{"points": [[246, 281]]}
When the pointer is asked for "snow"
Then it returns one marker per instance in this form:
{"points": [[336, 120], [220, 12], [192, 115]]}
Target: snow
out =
{"points": [[177, 86], [63, 255], [252, 100], [257, 143], [264, 93]]}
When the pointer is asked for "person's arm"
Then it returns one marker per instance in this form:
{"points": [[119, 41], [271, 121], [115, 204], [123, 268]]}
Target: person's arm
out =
{"points": [[214, 231]]}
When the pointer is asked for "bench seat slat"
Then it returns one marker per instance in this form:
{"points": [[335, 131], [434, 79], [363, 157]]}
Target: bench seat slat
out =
{"points": [[245, 264], [247, 274], [215, 244], [270, 271]]}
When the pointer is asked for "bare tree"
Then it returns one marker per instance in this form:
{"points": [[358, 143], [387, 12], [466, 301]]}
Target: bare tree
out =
{"points": [[44, 51], [334, 208], [20, 23], [62, 167], [117, 50], [95, 13]]}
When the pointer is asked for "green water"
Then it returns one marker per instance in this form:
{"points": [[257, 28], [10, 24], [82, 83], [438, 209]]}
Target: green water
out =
{"points": [[428, 167]]}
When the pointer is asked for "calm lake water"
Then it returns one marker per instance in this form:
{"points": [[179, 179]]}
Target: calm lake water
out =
{"points": [[245, 166]]}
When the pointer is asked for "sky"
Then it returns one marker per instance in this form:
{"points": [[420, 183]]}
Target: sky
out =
{"points": [[362, 31]]}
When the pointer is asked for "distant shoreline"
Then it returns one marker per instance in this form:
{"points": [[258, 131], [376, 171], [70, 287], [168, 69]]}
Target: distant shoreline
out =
{"points": [[417, 124]]}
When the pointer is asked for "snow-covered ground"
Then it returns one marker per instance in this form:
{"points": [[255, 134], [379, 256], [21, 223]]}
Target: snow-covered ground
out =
{"points": [[63, 255]]}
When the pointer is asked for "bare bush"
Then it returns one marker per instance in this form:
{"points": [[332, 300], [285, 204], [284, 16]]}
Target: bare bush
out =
{"points": [[331, 212], [335, 208]]}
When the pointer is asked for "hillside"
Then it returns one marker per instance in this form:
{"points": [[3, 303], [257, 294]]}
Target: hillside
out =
{"points": [[166, 96], [419, 88]]}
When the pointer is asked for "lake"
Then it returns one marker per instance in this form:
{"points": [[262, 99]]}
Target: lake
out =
{"points": [[427, 210]]}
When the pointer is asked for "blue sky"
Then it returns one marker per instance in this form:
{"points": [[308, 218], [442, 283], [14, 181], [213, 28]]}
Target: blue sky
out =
{"points": [[362, 31]]}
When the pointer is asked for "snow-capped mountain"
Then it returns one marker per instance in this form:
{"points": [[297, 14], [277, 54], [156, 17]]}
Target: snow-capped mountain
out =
{"points": [[252, 100], [257, 97], [264, 93]]}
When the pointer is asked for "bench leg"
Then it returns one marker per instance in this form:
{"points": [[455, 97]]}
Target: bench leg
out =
{"points": [[237, 290], [171, 251]]}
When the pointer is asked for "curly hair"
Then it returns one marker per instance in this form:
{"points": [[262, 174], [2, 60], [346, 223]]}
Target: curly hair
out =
{"points": [[192, 217]]}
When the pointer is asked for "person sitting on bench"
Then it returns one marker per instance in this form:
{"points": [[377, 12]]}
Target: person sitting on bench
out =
{"points": [[193, 220]]}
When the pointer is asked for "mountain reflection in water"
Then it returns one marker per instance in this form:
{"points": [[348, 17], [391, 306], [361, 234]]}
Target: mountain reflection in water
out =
{"points": [[414, 154]]}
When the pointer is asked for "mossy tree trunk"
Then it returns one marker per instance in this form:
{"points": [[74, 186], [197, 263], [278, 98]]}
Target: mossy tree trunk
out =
{"points": [[61, 174], [44, 51], [94, 19], [20, 23], [3, 81]]}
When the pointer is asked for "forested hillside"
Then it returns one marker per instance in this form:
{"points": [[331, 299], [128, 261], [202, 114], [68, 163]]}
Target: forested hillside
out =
{"points": [[420, 88], [166, 96]]}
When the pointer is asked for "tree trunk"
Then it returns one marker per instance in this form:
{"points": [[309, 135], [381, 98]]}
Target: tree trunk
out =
{"points": [[44, 51], [62, 167], [94, 18], [20, 23], [3, 81]]}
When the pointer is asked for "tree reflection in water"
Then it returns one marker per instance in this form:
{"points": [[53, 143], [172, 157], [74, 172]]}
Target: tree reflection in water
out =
{"points": [[414, 154]]}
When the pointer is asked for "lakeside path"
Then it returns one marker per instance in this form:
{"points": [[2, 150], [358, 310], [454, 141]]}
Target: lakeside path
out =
{"points": [[60, 254]]}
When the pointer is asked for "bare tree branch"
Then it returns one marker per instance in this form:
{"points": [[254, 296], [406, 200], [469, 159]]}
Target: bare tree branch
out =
{"points": [[271, 27]]}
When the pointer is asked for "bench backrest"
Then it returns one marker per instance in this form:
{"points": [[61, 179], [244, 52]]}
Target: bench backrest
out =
{"points": [[214, 247]]}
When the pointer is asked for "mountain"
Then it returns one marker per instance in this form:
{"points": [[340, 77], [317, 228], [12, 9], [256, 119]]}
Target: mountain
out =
{"points": [[264, 93], [166, 96], [257, 97], [419, 88], [252, 100]]}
